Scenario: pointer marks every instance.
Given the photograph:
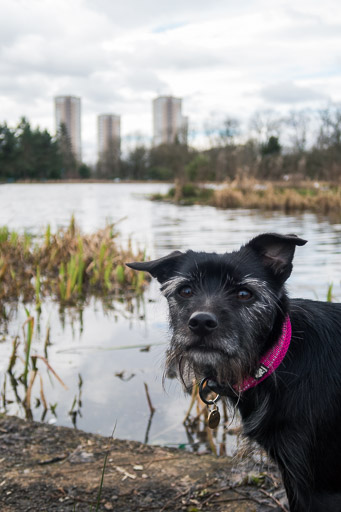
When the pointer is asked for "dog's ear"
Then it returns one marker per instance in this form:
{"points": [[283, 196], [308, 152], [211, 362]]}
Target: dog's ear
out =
{"points": [[162, 269], [276, 252]]}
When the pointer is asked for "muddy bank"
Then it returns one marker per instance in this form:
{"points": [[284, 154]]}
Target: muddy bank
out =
{"points": [[48, 468]]}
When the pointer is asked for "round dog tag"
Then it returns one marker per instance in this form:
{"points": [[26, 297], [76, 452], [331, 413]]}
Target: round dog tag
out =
{"points": [[213, 418]]}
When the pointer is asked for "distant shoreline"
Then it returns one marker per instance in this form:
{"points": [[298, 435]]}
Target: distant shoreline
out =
{"points": [[85, 181]]}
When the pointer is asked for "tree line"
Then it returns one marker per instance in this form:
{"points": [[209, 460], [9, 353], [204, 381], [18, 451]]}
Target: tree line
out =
{"points": [[33, 154], [300, 145]]}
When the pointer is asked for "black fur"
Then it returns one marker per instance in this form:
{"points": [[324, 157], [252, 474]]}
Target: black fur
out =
{"points": [[294, 414]]}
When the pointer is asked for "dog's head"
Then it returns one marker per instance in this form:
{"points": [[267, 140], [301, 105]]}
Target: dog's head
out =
{"points": [[224, 308]]}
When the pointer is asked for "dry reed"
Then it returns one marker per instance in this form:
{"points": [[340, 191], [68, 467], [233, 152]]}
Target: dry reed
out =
{"points": [[67, 265], [248, 194]]}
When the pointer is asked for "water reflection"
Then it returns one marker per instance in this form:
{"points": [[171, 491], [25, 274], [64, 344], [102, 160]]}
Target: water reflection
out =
{"points": [[25, 374], [76, 409]]}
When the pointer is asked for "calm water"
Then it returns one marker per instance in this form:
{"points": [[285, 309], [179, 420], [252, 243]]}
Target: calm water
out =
{"points": [[102, 344]]}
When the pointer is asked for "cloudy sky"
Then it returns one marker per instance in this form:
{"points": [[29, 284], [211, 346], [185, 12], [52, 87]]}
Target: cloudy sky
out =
{"points": [[224, 58]]}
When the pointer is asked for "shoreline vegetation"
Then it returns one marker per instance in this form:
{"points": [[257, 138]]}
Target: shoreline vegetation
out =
{"points": [[67, 265], [70, 268], [322, 198]]}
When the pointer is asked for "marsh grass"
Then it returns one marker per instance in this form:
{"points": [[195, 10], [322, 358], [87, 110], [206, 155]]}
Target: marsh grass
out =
{"points": [[251, 194], [186, 194], [67, 265]]}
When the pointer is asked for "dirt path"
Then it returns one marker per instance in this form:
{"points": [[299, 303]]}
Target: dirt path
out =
{"points": [[48, 468]]}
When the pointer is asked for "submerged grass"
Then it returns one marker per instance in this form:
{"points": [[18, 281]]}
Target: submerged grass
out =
{"points": [[67, 265], [25, 364], [30, 326]]}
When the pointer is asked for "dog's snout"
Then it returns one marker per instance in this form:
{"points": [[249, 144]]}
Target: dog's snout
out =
{"points": [[202, 323]]}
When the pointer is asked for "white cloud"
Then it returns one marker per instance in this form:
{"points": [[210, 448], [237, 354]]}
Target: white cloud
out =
{"points": [[220, 57], [290, 93]]}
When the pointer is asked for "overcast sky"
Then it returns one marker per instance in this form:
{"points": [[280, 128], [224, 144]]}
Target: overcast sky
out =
{"points": [[222, 57]]}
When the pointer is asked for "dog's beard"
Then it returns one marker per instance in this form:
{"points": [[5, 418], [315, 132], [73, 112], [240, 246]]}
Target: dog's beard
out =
{"points": [[219, 361]]}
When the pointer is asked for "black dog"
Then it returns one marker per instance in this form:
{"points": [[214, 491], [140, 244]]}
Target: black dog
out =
{"points": [[278, 359]]}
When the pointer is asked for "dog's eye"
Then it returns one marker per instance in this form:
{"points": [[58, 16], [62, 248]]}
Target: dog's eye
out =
{"points": [[244, 295], [186, 292]]}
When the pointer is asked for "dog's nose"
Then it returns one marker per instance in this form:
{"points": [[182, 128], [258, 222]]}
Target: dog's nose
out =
{"points": [[202, 323]]}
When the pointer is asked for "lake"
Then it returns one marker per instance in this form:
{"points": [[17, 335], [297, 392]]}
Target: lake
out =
{"points": [[102, 355]]}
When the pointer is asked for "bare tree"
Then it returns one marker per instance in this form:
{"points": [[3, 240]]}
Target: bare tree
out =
{"points": [[330, 129], [222, 133], [298, 124], [265, 124]]}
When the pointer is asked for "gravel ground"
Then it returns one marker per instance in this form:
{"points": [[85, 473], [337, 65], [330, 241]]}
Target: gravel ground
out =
{"points": [[49, 468]]}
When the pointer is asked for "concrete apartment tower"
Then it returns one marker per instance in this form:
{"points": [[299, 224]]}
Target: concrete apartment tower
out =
{"points": [[109, 135], [109, 145], [68, 113], [168, 122]]}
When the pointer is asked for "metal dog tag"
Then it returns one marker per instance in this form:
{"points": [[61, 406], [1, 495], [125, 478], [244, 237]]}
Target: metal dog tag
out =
{"points": [[214, 415], [213, 419]]}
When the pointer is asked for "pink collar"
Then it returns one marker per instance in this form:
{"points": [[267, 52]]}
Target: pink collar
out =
{"points": [[271, 360]]}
